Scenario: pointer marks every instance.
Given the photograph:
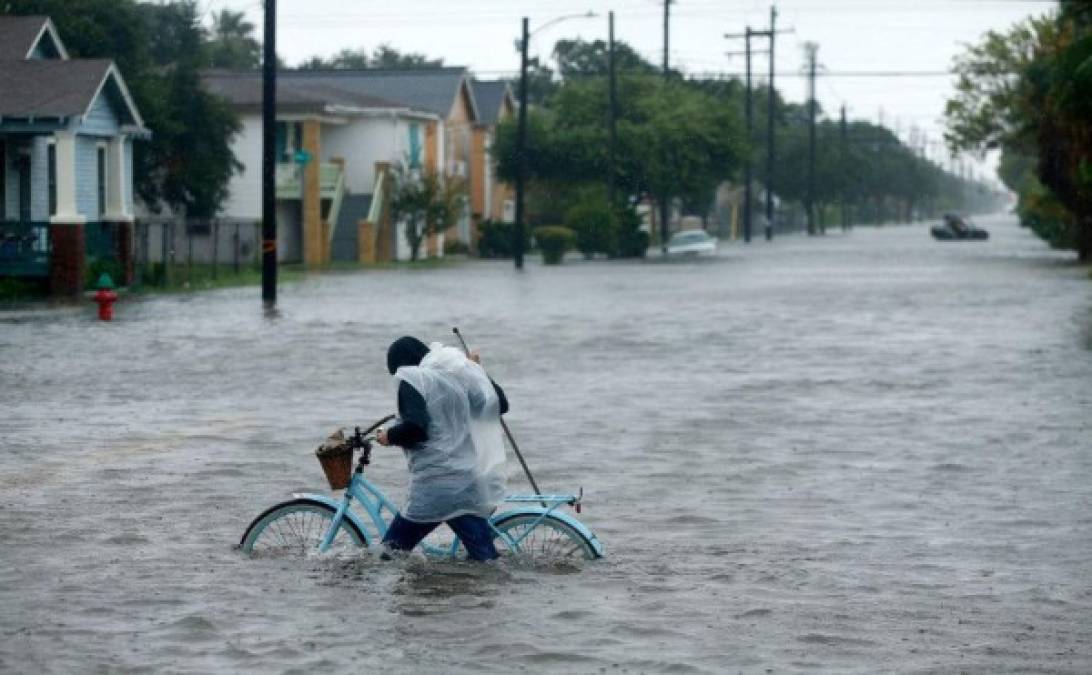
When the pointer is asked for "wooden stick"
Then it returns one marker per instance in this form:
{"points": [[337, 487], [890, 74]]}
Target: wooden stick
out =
{"points": [[504, 426]]}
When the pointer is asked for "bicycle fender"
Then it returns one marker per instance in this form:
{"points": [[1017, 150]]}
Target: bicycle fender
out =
{"points": [[562, 516], [335, 504]]}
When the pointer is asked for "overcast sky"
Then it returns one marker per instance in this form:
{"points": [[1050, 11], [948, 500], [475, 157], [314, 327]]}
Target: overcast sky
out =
{"points": [[908, 36]]}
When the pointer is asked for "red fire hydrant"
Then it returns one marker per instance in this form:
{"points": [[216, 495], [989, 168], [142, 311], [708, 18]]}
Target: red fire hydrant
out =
{"points": [[106, 297]]}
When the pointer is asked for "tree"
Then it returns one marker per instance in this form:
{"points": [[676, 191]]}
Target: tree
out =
{"points": [[383, 56], [426, 204], [1028, 91], [673, 142], [579, 58], [232, 43]]}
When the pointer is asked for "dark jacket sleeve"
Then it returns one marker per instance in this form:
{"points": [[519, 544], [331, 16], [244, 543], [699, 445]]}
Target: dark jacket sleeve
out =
{"points": [[477, 399], [412, 430], [501, 396]]}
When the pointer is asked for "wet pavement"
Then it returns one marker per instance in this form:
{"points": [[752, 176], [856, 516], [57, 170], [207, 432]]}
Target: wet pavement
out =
{"points": [[866, 452]]}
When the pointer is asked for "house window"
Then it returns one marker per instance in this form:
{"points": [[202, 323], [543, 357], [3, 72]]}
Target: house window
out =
{"points": [[415, 145], [101, 167], [288, 140], [52, 170]]}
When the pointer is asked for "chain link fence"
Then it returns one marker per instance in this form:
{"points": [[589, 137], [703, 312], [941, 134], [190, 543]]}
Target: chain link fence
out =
{"points": [[181, 252]]}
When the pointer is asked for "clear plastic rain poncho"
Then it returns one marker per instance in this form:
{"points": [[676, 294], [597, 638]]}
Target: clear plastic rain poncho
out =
{"points": [[460, 468]]}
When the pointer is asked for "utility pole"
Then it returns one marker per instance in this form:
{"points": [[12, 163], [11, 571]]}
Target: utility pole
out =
{"points": [[613, 126], [521, 151], [844, 179], [667, 34], [770, 129], [811, 50], [665, 207], [747, 35], [269, 167], [747, 168]]}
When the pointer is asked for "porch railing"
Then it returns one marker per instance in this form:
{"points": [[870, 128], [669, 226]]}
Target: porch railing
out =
{"points": [[24, 249], [289, 180]]}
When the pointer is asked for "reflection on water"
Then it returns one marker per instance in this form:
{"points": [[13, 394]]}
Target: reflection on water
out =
{"points": [[816, 454]]}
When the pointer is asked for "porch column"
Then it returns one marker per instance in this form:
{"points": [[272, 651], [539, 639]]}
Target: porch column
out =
{"points": [[386, 248], [313, 245], [65, 153], [118, 208], [67, 243]]}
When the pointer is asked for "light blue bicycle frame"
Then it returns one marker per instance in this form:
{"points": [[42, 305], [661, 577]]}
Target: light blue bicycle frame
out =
{"points": [[373, 501]]}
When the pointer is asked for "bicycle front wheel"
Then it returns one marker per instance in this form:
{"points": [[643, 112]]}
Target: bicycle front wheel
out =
{"points": [[548, 539], [294, 529]]}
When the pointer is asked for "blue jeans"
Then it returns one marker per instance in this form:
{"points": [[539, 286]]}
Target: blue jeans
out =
{"points": [[474, 531]]}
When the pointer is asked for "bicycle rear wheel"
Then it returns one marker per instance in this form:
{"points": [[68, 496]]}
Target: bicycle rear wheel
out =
{"points": [[294, 529], [548, 539]]}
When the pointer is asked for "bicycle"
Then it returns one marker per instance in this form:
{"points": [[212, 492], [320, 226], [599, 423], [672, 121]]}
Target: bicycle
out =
{"points": [[314, 523]]}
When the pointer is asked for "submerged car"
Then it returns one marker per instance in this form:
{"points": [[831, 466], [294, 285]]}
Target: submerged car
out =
{"points": [[691, 242], [956, 227]]}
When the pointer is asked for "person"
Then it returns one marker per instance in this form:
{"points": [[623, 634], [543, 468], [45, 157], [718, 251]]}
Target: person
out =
{"points": [[449, 429]]}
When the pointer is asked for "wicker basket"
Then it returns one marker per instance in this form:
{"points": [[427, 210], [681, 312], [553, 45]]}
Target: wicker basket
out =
{"points": [[336, 458]]}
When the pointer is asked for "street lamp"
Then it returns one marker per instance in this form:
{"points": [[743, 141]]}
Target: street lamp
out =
{"points": [[521, 134]]}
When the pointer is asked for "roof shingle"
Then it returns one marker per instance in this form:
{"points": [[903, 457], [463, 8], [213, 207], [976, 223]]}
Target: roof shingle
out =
{"points": [[430, 90], [50, 88], [490, 95], [244, 89], [17, 35]]}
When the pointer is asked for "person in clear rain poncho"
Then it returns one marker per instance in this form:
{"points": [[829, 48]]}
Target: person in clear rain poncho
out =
{"points": [[449, 429]]}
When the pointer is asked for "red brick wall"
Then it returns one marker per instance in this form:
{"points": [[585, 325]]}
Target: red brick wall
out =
{"points": [[67, 260]]}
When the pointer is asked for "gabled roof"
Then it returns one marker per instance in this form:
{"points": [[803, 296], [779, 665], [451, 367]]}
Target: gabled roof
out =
{"points": [[491, 95], [19, 35], [243, 89], [61, 89], [432, 90]]}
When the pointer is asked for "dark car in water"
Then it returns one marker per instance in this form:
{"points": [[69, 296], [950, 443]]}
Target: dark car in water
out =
{"points": [[956, 228]]}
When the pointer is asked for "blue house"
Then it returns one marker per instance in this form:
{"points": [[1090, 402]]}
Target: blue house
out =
{"points": [[66, 158]]}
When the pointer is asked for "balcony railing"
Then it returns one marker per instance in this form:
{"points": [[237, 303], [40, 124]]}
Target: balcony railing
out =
{"points": [[290, 180]]}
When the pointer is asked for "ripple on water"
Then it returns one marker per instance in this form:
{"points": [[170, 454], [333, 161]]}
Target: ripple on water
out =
{"points": [[797, 456]]}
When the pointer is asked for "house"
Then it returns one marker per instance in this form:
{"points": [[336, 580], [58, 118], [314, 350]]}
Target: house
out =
{"points": [[445, 93], [66, 158], [358, 123], [333, 144], [490, 199]]}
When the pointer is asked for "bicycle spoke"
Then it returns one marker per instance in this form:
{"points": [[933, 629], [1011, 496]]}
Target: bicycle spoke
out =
{"points": [[544, 540], [299, 531]]}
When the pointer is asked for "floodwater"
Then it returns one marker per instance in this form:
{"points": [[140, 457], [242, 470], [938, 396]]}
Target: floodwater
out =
{"points": [[859, 453]]}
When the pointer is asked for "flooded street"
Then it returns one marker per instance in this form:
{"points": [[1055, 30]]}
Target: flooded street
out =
{"points": [[860, 453]]}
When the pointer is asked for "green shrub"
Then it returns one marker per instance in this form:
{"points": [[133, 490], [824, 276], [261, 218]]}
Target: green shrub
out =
{"points": [[495, 239], [19, 290], [630, 240], [1040, 211], [454, 246], [554, 241], [590, 220]]}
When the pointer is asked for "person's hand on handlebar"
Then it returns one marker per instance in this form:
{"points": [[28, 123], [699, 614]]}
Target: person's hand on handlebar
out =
{"points": [[381, 437]]}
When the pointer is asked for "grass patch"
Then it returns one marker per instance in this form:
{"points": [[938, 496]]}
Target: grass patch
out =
{"points": [[183, 278]]}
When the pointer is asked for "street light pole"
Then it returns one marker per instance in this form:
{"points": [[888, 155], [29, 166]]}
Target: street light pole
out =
{"points": [[747, 168], [521, 152], [269, 167], [770, 130], [521, 135], [665, 200], [613, 116]]}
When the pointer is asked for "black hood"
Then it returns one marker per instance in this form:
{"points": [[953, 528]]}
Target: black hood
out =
{"points": [[405, 351]]}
